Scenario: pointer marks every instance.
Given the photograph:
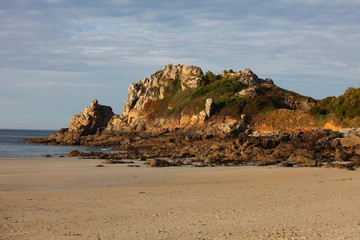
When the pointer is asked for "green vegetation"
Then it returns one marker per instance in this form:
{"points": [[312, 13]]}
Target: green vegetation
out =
{"points": [[173, 87], [227, 100], [219, 87], [346, 107], [209, 77], [232, 97], [234, 105], [278, 95]]}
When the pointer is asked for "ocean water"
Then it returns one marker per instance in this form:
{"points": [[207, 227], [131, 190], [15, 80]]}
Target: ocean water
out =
{"points": [[12, 147]]}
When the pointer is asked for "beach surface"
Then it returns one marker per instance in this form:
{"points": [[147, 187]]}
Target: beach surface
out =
{"points": [[63, 198]]}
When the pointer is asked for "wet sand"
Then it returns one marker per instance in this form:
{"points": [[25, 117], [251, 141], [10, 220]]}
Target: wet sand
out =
{"points": [[62, 198]]}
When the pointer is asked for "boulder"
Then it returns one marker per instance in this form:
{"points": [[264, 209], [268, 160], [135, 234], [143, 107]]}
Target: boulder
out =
{"points": [[232, 126], [159, 163], [307, 160]]}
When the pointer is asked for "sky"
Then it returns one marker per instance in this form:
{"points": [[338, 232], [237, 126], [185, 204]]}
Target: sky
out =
{"points": [[56, 56]]}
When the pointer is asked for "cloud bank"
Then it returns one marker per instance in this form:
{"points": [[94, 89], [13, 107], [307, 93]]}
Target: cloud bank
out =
{"points": [[308, 46]]}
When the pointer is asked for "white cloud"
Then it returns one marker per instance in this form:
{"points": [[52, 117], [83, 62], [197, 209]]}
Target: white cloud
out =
{"points": [[61, 44]]}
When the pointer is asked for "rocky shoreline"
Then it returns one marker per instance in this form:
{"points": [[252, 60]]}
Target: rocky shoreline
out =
{"points": [[180, 116], [314, 148]]}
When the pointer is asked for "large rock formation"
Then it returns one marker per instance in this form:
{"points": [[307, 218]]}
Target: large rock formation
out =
{"points": [[170, 79], [91, 120], [151, 89], [235, 118], [182, 97], [158, 95]]}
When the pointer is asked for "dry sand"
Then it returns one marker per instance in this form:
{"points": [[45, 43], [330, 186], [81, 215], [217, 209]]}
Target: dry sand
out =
{"points": [[61, 198]]}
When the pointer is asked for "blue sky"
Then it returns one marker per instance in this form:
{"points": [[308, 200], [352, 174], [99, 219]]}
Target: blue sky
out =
{"points": [[56, 56]]}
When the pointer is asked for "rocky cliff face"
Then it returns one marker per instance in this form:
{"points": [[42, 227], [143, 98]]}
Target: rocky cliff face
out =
{"points": [[151, 89], [146, 91]]}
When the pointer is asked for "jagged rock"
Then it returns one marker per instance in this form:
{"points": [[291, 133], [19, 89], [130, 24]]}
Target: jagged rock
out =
{"points": [[147, 90], [142, 93], [143, 97], [188, 75], [246, 76], [251, 91], [267, 80], [134, 92], [91, 120], [231, 126], [117, 122]]}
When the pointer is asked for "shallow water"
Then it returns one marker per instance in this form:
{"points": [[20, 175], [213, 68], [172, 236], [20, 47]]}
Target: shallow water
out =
{"points": [[12, 147]]}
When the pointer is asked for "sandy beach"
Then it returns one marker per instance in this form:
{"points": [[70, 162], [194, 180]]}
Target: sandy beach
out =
{"points": [[63, 198]]}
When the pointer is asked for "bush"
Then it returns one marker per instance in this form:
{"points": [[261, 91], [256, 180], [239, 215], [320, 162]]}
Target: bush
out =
{"points": [[209, 77], [344, 106], [233, 105], [219, 87]]}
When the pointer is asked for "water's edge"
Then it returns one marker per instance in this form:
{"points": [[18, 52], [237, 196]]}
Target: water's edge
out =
{"points": [[11, 145]]}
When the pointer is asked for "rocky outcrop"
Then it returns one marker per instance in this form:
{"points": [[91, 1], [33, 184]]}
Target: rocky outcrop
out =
{"points": [[313, 148], [116, 122], [158, 92], [91, 120], [298, 104], [147, 90], [246, 76], [188, 75], [145, 95], [250, 91], [232, 126]]}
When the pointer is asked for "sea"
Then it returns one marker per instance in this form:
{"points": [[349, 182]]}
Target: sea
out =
{"points": [[11, 145]]}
